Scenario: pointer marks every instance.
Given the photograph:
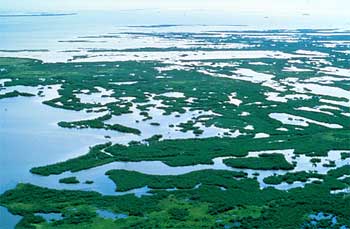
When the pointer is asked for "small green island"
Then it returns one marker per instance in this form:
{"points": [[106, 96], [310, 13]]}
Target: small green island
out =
{"points": [[69, 180]]}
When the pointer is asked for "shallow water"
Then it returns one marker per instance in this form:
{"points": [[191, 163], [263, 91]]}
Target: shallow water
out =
{"points": [[50, 216], [29, 127], [29, 135], [106, 186], [300, 121], [15, 30], [110, 215], [7, 220]]}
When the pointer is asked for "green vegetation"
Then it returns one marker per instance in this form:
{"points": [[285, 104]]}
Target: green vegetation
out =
{"points": [[98, 124], [292, 177], [242, 202], [154, 138], [265, 161], [206, 198], [344, 155], [211, 93], [344, 170], [329, 164], [29, 221], [180, 214], [69, 180], [189, 126], [15, 94], [96, 158], [315, 160], [127, 180], [181, 152]]}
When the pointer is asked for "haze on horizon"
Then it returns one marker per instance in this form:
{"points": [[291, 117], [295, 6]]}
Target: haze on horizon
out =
{"points": [[272, 7]]}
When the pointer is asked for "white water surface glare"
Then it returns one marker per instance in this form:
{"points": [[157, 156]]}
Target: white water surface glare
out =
{"points": [[29, 127], [105, 186], [30, 136]]}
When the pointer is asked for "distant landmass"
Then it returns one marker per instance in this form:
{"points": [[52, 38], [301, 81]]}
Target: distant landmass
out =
{"points": [[173, 25], [37, 15]]}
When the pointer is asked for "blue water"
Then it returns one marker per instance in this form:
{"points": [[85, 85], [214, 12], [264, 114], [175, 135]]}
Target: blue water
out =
{"points": [[29, 139], [44, 32], [110, 215], [7, 220], [50, 216], [29, 135]]}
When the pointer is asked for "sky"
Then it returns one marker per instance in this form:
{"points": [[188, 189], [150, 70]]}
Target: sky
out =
{"points": [[325, 7]]}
